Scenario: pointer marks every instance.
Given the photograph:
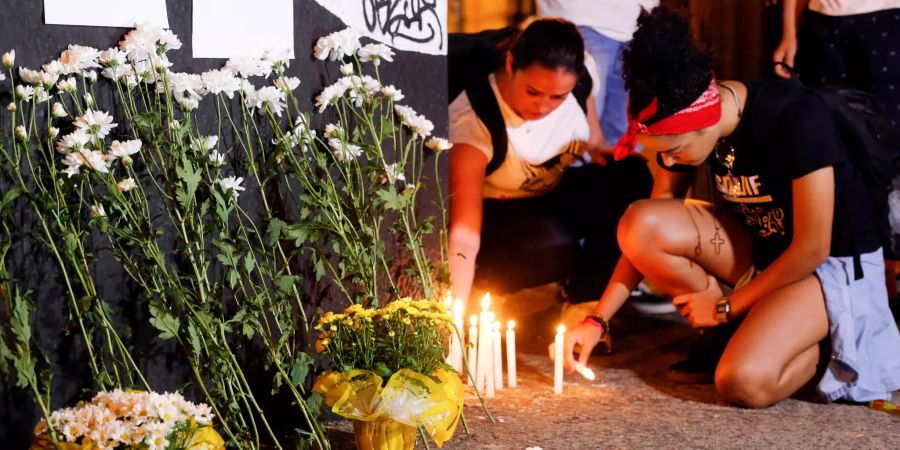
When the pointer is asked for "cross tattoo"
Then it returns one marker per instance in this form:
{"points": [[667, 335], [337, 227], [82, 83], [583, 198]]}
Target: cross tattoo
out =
{"points": [[717, 242]]}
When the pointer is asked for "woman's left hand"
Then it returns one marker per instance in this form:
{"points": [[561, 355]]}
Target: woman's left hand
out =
{"points": [[700, 307]]}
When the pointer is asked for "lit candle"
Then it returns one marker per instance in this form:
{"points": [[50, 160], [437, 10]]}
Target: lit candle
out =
{"points": [[483, 366], [498, 357], [486, 355], [511, 353], [558, 359], [473, 349]]}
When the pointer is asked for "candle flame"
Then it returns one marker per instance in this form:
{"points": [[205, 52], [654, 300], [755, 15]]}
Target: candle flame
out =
{"points": [[486, 301], [561, 329], [585, 371], [511, 324], [473, 320]]}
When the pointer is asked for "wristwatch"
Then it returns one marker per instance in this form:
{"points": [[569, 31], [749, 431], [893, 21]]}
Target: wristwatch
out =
{"points": [[597, 321], [723, 310]]}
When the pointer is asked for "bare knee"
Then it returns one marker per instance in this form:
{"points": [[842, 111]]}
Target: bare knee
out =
{"points": [[746, 384], [640, 226]]}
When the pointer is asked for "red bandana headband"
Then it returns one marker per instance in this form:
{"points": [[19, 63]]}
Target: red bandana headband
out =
{"points": [[704, 112]]}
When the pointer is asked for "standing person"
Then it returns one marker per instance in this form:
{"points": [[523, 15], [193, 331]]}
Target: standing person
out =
{"points": [[844, 43], [605, 26], [522, 216], [796, 216]]}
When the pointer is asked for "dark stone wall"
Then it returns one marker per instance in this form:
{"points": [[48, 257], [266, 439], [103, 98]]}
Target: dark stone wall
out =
{"points": [[422, 78]]}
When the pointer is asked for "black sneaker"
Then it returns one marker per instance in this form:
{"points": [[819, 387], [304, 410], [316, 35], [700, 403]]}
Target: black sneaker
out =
{"points": [[691, 371], [703, 356]]}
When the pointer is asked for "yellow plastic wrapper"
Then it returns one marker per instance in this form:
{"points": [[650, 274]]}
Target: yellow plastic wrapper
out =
{"points": [[206, 438], [408, 397]]}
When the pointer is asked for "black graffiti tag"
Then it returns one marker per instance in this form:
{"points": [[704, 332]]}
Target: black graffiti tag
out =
{"points": [[416, 21]]}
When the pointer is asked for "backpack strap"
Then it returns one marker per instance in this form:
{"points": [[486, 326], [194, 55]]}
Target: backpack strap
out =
{"points": [[485, 105]]}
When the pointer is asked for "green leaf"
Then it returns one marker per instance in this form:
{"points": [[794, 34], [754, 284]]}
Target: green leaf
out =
{"points": [[392, 201], [300, 368], [285, 283], [276, 226], [191, 178], [320, 270], [9, 196], [383, 370], [298, 233], [194, 339], [315, 403], [165, 322]]}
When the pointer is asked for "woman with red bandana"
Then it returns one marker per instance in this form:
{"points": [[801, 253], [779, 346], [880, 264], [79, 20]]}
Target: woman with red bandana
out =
{"points": [[794, 218]]}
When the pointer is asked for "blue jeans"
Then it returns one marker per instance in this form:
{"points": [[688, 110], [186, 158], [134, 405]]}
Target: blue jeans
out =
{"points": [[612, 100]]}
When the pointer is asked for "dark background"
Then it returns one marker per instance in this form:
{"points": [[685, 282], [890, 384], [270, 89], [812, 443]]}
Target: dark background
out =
{"points": [[422, 78]]}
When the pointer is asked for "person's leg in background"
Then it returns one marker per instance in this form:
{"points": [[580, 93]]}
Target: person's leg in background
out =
{"points": [[611, 99]]}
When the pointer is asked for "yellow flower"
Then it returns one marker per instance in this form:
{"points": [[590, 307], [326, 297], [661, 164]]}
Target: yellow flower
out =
{"points": [[406, 321], [391, 333]]}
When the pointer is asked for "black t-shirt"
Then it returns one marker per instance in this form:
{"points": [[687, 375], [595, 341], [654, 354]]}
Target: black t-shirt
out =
{"points": [[759, 188]]}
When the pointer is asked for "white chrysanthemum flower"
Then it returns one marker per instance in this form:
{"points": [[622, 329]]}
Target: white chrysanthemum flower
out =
{"points": [[268, 96], [21, 133], [52, 132], [40, 95], [9, 59], [57, 110], [140, 43], [438, 144], [394, 173], [333, 131], [168, 40], [85, 157], [248, 67], [122, 149], [277, 60], [232, 184], [126, 185], [11, 106], [78, 58], [113, 57], [118, 73], [29, 76], [363, 89], [216, 158], [88, 99], [337, 45], [333, 93], [53, 67], [73, 142], [204, 144], [419, 125], [392, 93], [184, 86], [90, 76], [24, 93], [287, 84], [69, 85], [188, 104], [375, 53], [221, 81], [344, 151], [97, 123], [98, 210], [347, 69]]}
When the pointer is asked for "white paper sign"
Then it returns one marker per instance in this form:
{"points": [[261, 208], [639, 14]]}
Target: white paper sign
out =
{"points": [[106, 13], [234, 28], [416, 25]]}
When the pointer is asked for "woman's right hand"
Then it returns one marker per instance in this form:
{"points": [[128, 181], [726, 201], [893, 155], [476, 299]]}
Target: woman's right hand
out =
{"points": [[587, 336], [785, 53]]}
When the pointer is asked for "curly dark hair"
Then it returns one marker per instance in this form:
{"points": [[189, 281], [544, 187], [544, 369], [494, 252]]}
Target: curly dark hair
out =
{"points": [[551, 43], [662, 61]]}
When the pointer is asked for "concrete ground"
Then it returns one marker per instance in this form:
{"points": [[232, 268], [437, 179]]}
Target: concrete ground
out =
{"points": [[633, 406]]}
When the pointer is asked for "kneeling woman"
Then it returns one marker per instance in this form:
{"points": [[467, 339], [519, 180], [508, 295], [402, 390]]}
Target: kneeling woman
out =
{"points": [[795, 213]]}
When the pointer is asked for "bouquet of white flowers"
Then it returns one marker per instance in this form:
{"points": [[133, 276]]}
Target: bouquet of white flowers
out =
{"points": [[131, 420]]}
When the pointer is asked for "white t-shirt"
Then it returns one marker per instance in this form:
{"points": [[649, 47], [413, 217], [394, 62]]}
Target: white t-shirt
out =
{"points": [[615, 19], [538, 152], [848, 7]]}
